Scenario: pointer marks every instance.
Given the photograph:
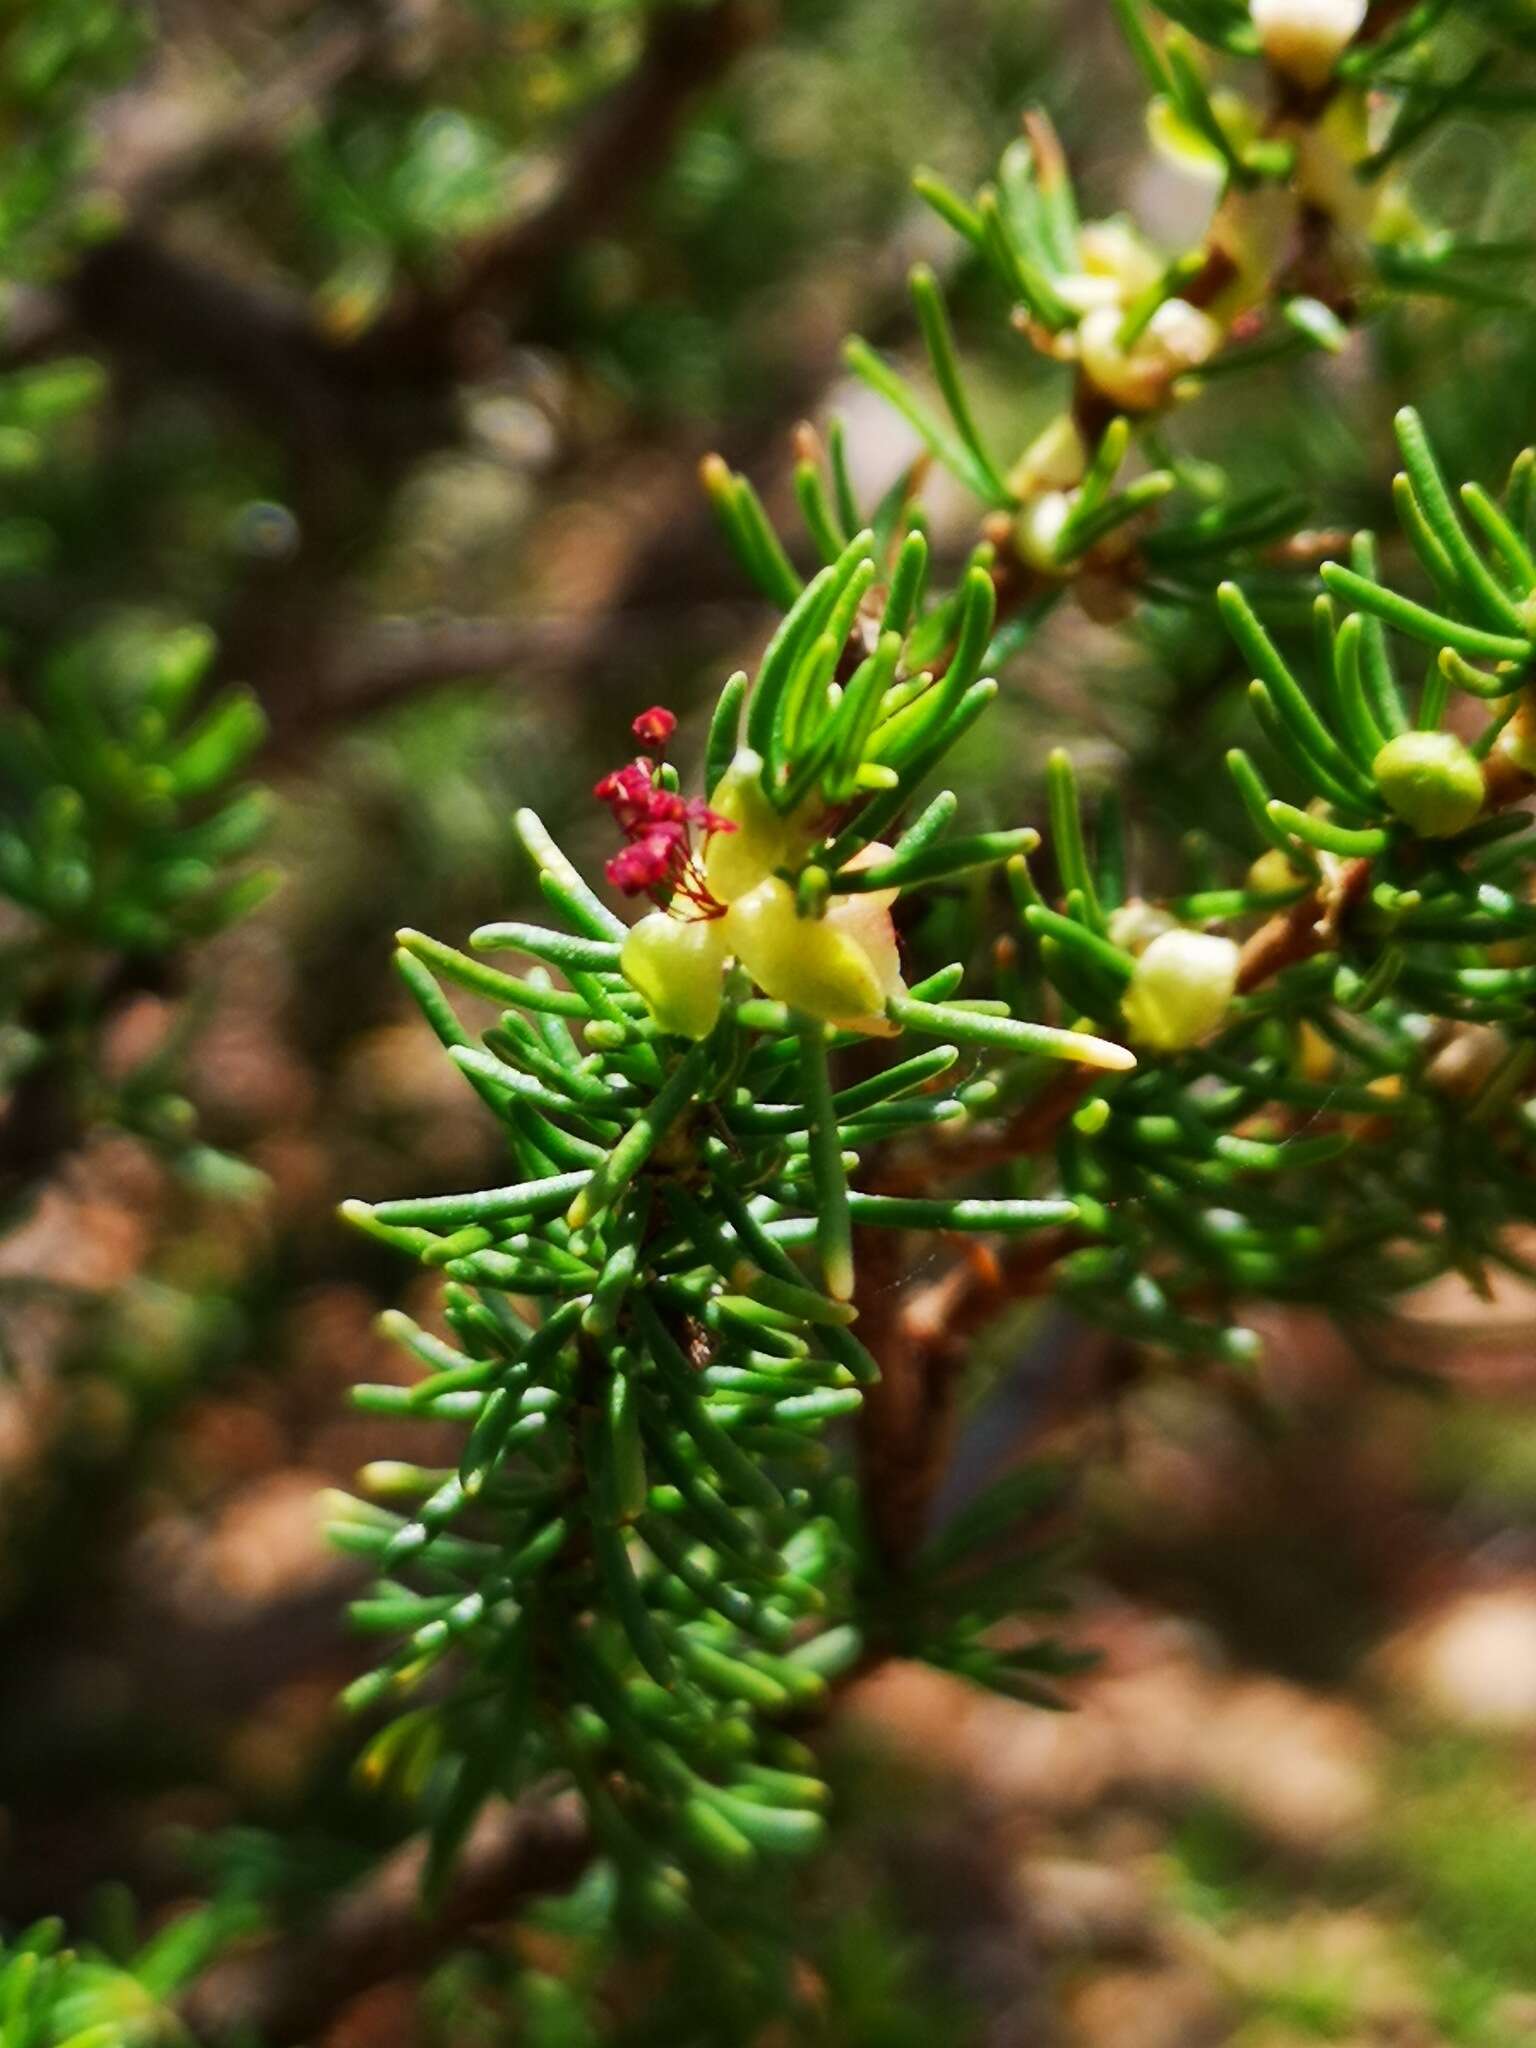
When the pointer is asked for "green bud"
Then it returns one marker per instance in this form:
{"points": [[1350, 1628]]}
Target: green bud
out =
{"points": [[1181, 989], [1432, 781]]}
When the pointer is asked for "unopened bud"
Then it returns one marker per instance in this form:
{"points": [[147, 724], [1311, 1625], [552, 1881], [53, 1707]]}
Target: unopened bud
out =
{"points": [[1181, 990], [1056, 460], [1038, 529], [1178, 337], [1273, 872], [1305, 38], [1432, 781], [1136, 924], [1113, 249]]}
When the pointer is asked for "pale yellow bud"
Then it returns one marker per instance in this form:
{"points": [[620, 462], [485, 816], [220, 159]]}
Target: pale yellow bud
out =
{"points": [[1038, 528], [1136, 924], [1306, 38], [1113, 249], [1181, 990], [1085, 293], [1054, 461], [1190, 148], [1178, 337], [678, 965], [1273, 872]]}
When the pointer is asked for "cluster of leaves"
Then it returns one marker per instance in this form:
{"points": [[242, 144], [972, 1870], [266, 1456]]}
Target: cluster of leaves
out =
{"points": [[643, 1573], [125, 830], [639, 1557], [120, 826], [55, 62], [52, 1996]]}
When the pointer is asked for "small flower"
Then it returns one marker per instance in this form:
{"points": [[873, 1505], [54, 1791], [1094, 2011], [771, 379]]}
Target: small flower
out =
{"points": [[1136, 924], [1181, 989], [843, 967], [1432, 781], [678, 966], [1305, 38], [655, 727], [1178, 337]]}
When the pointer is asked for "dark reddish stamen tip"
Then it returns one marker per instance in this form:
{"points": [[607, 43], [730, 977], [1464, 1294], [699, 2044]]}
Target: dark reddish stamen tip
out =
{"points": [[655, 727], [659, 823]]}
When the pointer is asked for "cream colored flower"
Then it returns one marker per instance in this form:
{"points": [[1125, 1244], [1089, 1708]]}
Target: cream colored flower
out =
{"points": [[1178, 337], [1181, 990], [1306, 38], [842, 967]]}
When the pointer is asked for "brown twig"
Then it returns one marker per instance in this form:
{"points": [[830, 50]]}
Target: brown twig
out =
{"points": [[922, 1337], [1305, 928], [288, 1990]]}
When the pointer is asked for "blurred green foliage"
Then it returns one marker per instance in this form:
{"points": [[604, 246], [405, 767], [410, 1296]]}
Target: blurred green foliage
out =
{"points": [[255, 455]]}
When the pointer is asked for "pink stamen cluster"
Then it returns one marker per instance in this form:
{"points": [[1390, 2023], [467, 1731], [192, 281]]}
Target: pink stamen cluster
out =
{"points": [[659, 823]]}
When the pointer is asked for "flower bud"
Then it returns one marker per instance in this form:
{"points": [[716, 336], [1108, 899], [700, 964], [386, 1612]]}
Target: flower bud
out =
{"points": [[1056, 460], [678, 965], [1179, 142], [1113, 249], [654, 728], [1305, 38], [1136, 924], [1038, 528], [1273, 872], [1181, 989], [1177, 338], [1432, 781], [1517, 742]]}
